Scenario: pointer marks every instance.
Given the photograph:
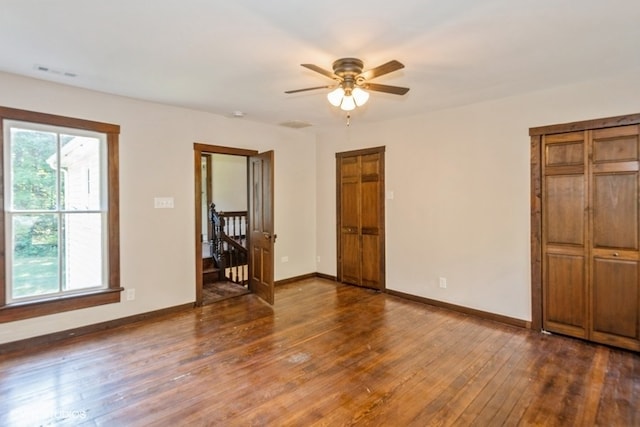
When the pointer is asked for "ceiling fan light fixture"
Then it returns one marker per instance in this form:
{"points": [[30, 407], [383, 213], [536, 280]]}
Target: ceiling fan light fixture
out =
{"points": [[348, 103], [335, 96], [360, 96]]}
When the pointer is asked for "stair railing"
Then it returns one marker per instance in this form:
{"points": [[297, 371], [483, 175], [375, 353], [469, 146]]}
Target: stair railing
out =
{"points": [[229, 243]]}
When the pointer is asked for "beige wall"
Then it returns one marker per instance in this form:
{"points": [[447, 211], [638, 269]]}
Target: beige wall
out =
{"points": [[460, 180], [229, 182], [156, 159]]}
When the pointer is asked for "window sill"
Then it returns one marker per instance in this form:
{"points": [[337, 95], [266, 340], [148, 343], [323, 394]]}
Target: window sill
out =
{"points": [[44, 307]]}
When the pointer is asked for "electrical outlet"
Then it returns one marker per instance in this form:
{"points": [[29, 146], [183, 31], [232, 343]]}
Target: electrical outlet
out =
{"points": [[131, 294], [318, 259], [443, 282], [284, 259]]}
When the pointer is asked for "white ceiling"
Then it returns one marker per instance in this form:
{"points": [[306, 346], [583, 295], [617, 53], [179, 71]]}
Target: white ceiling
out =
{"points": [[241, 55]]}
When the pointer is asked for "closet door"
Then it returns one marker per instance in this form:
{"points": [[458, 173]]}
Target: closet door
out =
{"points": [[564, 242], [360, 217], [591, 235], [614, 186]]}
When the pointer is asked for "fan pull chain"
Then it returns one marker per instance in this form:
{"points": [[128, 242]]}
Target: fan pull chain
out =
{"points": [[348, 119]]}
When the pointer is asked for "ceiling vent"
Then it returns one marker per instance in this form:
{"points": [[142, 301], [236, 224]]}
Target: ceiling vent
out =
{"points": [[45, 69], [296, 124]]}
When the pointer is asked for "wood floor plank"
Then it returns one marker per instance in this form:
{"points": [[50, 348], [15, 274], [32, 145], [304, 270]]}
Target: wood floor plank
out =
{"points": [[326, 354]]}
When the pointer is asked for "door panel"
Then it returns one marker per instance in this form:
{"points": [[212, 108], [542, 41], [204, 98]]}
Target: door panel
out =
{"points": [[615, 301], [351, 257], [261, 236], [565, 201], [565, 294], [360, 217], [370, 260], [564, 149], [615, 211]]}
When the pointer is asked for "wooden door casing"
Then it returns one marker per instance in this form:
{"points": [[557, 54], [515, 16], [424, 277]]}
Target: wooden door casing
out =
{"points": [[360, 217]]}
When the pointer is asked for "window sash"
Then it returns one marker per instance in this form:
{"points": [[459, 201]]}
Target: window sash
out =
{"points": [[106, 208]]}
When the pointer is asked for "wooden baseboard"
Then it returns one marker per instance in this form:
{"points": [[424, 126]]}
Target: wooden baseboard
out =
{"points": [[303, 277], [84, 330], [465, 310], [326, 276]]}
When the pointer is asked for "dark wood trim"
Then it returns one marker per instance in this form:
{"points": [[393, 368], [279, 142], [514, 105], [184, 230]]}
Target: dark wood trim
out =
{"points": [[113, 175], [197, 177], [536, 233], [47, 306], [3, 275], [305, 277], [326, 277], [464, 310], [52, 119], [26, 310], [218, 149], [361, 152], [628, 119], [84, 330], [338, 219]]}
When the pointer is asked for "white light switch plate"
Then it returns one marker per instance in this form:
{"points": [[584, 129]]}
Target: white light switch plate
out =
{"points": [[163, 202]]}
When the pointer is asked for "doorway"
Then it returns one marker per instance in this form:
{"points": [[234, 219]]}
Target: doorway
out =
{"points": [[257, 238], [224, 216]]}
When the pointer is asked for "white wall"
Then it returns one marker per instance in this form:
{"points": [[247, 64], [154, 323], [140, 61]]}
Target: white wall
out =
{"points": [[460, 180], [229, 182], [156, 159]]}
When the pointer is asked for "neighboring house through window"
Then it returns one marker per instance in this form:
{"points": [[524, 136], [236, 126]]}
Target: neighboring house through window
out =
{"points": [[60, 214]]}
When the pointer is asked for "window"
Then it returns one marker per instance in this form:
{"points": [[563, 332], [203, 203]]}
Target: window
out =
{"points": [[59, 222]]}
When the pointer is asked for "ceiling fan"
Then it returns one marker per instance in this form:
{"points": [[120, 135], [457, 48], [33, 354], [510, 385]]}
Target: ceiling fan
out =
{"points": [[350, 89]]}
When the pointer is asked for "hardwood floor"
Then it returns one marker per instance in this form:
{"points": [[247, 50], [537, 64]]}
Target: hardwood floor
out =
{"points": [[218, 291], [325, 354]]}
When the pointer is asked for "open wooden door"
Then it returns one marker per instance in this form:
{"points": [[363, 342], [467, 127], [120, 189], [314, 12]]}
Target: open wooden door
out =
{"points": [[261, 237]]}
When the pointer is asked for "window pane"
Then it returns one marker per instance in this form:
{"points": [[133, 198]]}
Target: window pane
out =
{"points": [[33, 178], [35, 255], [82, 237], [80, 161]]}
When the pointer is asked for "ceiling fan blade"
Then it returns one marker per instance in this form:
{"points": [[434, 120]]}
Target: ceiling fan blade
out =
{"points": [[396, 90], [321, 71], [381, 70], [309, 88]]}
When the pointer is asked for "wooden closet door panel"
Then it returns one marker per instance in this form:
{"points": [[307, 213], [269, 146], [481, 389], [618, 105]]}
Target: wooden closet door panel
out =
{"points": [[350, 245], [616, 302], [350, 203], [350, 223], [361, 217], [564, 234], [618, 144], [565, 295], [615, 231], [565, 201], [371, 261], [615, 210]]}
